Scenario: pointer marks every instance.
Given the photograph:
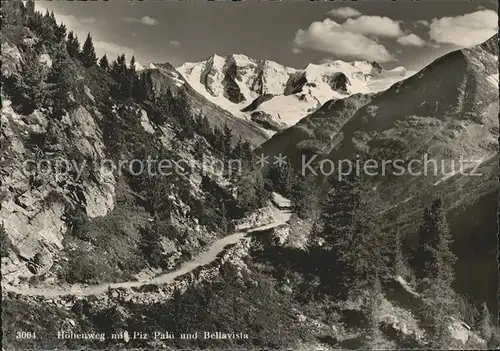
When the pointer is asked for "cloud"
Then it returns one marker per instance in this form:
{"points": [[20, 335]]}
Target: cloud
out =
{"points": [[344, 12], [373, 25], [411, 40], [175, 43], [80, 26], [466, 30], [328, 36], [112, 50], [80, 23], [146, 20]]}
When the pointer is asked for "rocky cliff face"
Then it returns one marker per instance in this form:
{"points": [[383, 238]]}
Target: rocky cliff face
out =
{"points": [[60, 196]]}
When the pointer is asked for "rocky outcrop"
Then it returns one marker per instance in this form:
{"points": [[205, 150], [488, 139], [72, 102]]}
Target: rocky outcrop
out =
{"points": [[266, 121], [339, 82], [232, 90], [258, 218], [35, 198], [295, 83], [257, 102]]}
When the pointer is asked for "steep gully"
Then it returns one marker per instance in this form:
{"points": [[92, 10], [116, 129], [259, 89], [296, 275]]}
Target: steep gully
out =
{"points": [[281, 213]]}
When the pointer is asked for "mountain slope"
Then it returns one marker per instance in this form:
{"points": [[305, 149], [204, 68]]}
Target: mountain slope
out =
{"points": [[452, 101], [165, 76], [239, 84], [314, 132], [447, 112]]}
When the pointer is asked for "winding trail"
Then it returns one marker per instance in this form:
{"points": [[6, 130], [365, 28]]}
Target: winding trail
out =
{"points": [[281, 214]]}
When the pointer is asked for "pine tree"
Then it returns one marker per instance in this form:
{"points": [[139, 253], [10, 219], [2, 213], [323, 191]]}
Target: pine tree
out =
{"points": [[45, 28], [248, 154], [224, 223], [348, 218], [226, 139], [61, 81], [281, 177], [205, 129], [435, 268], [131, 78], [199, 149], [131, 66], [60, 32], [29, 88], [375, 339], [88, 55], [119, 72], [484, 325], [397, 256], [303, 194], [30, 8], [103, 63], [143, 87], [73, 45], [237, 152], [434, 258], [261, 193]]}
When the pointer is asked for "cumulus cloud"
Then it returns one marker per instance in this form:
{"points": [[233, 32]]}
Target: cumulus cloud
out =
{"points": [[344, 12], [328, 36], [146, 20], [411, 40], [112, 50], [175, 43], [373, 25], [466, 30]]}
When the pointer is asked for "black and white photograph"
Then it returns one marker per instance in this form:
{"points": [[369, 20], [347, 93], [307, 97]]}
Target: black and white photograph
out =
{"points": [[249, 175]]}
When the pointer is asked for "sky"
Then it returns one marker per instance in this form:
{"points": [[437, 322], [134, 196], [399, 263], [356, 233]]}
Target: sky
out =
{"points": [[294, 33]]}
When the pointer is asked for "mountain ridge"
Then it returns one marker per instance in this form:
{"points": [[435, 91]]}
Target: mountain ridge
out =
{"points": [[237, 82]]}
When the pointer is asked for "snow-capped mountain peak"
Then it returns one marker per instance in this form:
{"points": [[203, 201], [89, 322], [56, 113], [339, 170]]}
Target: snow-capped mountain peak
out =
{"points": [[280, 94]]}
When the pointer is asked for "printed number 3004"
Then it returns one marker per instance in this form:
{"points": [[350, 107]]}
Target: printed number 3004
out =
{"points": [[25, 335]]}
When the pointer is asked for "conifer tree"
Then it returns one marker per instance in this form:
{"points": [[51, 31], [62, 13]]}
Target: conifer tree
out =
{"points": [[435, 268], [348, 218], [119, 72], [281, 177], [45, 28], [226, 140], [88, 55], [30, 8], [29, 88], [205, 129], [199, 149], [61, 80], [484, 325], [60, 32], [131, 78], [434, 258], [247, 153], [103, 63], [224, 223], [73, 45], [261, 193], [375, 340], [237, 152], [397, 255], [304, 195]]}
